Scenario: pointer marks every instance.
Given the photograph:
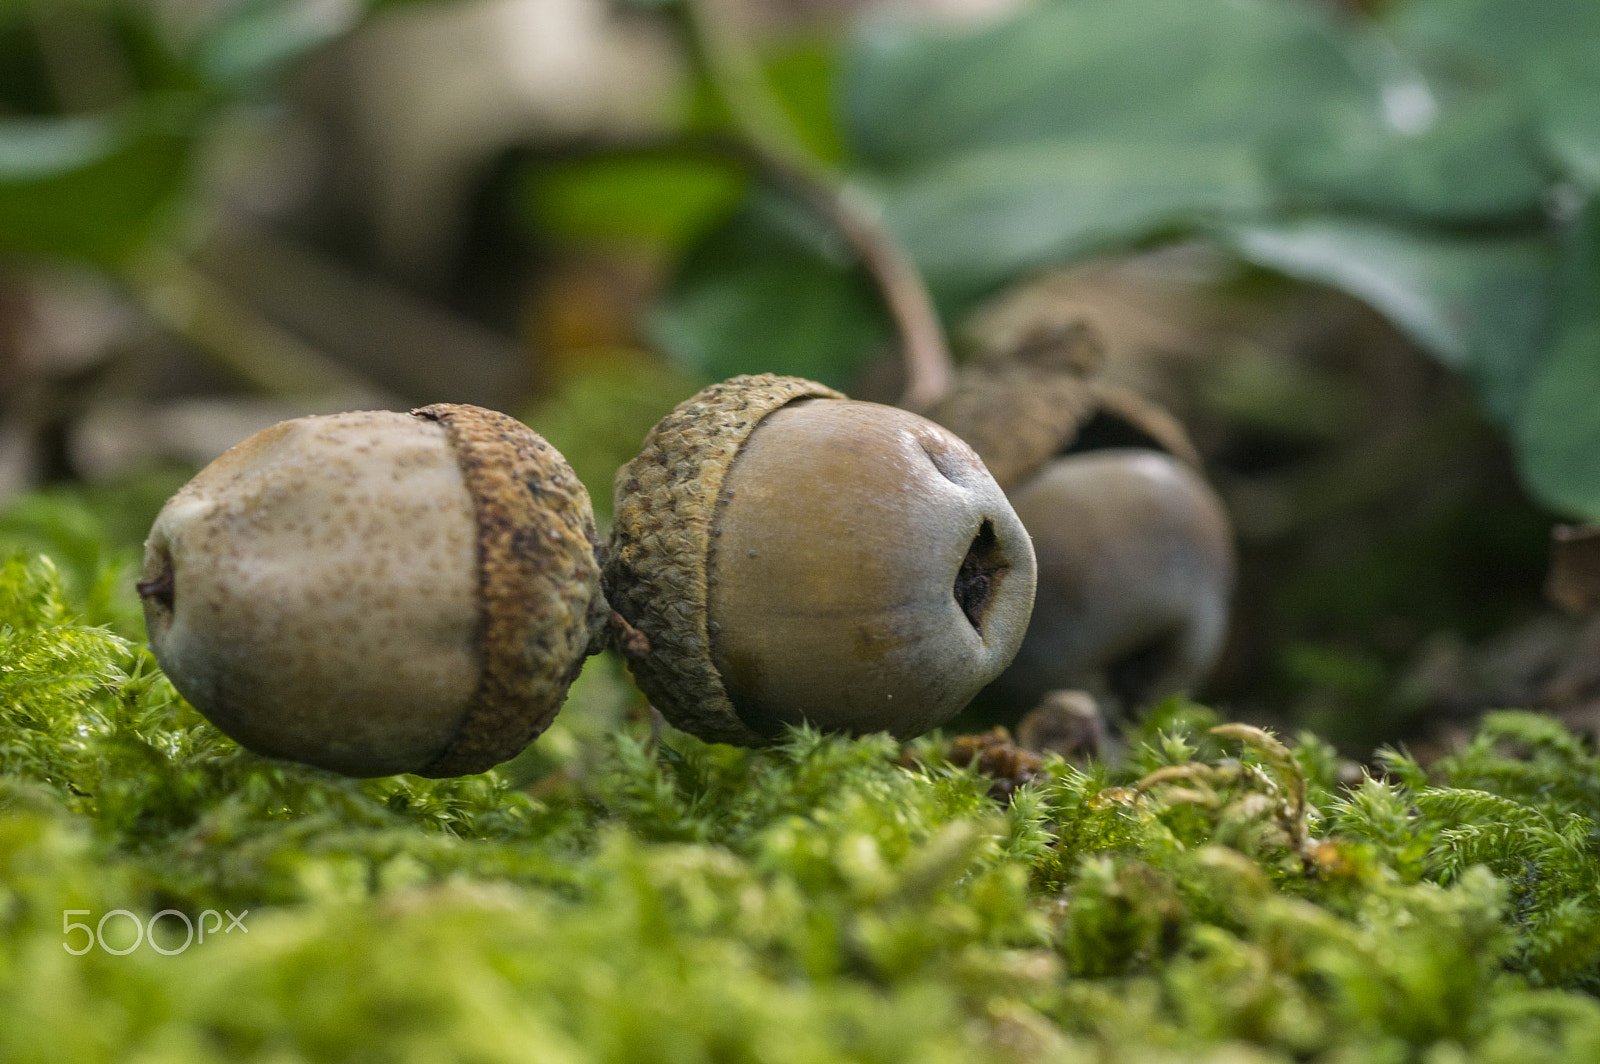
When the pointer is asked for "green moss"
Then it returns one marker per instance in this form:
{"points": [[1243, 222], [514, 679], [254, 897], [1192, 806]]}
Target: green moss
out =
{"points": [[1216, 896]]}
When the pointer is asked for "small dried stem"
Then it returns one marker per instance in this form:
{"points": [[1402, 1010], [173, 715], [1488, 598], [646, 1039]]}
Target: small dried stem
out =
{"points": [[629, 641], [1574, 581], [234, 335], [735, 75]]}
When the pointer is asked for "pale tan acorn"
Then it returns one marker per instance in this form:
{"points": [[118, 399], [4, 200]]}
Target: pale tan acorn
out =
{"points": [[378, 592], [1135, 550], [792, 556]]}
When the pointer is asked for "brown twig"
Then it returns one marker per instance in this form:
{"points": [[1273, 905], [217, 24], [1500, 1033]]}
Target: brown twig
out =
{"points": [[1574, 581], [628, 640], [235, 336], [734, 74]]}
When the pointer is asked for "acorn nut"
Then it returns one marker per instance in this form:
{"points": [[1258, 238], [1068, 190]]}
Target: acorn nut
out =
{"points": [[794, 556], [378, 592], [1135, 567], [1134, 548]]}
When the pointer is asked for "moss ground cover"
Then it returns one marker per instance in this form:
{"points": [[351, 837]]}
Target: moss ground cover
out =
{"points": [[1213, 896]]}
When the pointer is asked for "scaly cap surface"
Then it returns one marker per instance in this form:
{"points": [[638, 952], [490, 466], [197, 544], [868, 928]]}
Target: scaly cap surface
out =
{"points": [[656, 566], [1023, 406], [539, 600]]}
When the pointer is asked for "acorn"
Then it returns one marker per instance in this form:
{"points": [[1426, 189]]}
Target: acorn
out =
{"points": [[378, 592], [791, 556], [1135, 550]]}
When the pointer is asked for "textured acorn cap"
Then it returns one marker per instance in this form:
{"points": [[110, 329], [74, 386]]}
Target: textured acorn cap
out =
{"points": [[541, 612], [661, 538], [378, 592], [1023, 405]]}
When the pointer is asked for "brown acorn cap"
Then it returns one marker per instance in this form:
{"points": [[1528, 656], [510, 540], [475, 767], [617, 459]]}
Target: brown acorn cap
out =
{"points": [[1036, 399], [540, 607], [662, 537]]}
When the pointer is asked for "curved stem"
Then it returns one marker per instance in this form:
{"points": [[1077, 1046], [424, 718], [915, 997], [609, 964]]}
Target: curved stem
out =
{"points": [[234, 335], [735, 75]]}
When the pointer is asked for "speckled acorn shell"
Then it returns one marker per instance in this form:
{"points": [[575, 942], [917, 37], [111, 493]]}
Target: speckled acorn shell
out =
{"points": [[1032, 401], [436, 620], [662, 539]]}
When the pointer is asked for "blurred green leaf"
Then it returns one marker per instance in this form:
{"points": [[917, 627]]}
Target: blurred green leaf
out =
{"points": [[88, 188], [1006, 150], [1233, 72], [801, 74], [1469, 35], [1483, 305], [1477, 160], [652, 199], [803, 77], [35, 149], [1568, 87], [983, 218], [1558, 432], [772, 291], [1081, 126], [1547, 49], [254, 39]]}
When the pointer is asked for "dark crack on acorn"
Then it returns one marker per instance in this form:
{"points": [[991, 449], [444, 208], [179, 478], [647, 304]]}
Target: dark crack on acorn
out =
{"points": [[162, 588], [980, 571]]}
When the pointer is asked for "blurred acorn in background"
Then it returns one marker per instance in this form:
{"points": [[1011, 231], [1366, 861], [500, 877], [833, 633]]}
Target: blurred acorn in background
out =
{"points": [[1135, 552]]}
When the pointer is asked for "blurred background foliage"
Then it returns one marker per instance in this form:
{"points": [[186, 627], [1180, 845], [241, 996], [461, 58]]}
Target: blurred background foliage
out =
{"points": [[1354, 245]]}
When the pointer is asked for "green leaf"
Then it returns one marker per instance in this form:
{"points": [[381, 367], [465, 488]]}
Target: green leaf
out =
{"points": [[804, 77], [35, 149], [88, 188], [1568, 87], [801, 73], [976, 221], [1558, 430], [773, 290], [1483, 305], [1233, 72], [649, 199], [1478, 160], [255, 39], [983, 218], [1548, 49], [1471, 35]]}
